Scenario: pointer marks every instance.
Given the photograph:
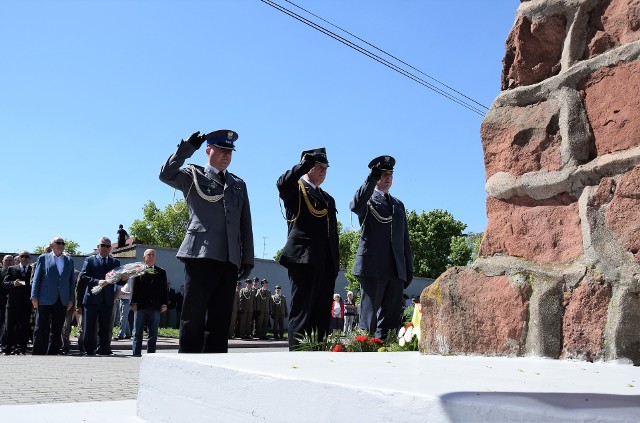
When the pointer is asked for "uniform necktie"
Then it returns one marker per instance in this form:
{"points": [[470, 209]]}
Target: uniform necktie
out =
{"points": [[388, 197], [222, 178], [320, 196], [104, 263]]}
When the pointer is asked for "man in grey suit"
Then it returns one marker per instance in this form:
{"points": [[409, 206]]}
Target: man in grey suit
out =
{"points": [[384, 262], [52, 292], [217, 249]]}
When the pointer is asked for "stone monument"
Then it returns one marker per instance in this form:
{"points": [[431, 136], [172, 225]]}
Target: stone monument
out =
{"points": [[558, 273]]}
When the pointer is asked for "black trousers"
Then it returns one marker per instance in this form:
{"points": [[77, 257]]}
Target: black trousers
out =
{"points": [[311, 298], [102, 314], [3, 308], [208, 300], [380, 305], [47, 336], [17, 326]]}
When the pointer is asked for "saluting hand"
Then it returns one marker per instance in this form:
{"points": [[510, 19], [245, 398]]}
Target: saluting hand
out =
{"points": [[196, 140], [376, 172], [308, 159]]}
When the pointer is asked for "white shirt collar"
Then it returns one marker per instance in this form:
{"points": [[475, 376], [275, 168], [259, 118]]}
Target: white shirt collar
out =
{"points": [[210, 169], [310, 183]]}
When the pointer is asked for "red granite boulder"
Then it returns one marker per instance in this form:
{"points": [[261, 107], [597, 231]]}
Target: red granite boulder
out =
{"points": [[465, 312], [518, 140], [533, 51], [584, 320], [612, 104], [547, 231], [622, 216], [611, 24]]}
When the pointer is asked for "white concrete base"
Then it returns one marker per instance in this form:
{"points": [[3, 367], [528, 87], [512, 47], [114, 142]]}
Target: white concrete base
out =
{"points": [[85, 412], [406, 386]]}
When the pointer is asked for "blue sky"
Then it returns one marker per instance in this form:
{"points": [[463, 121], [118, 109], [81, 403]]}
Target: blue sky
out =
{"points": [[96, 95]]}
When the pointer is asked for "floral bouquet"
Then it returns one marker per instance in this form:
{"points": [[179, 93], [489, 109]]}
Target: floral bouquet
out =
{"points": [[357, 341], [408, 337], [129, 270]]}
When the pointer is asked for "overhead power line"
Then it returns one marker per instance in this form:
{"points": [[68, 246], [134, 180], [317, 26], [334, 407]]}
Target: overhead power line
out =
{"points": [[453, 95]]}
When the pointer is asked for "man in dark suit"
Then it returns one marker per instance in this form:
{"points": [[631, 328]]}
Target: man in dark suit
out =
{"points": [[311, 252], [18, 315], [384, 262], [148, 300], [52, 293], [217, 249], [7, 261], [98, 307]]}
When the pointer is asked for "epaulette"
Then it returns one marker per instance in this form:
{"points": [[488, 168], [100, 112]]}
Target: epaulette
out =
{"points": [[237, 178], [195, 166]]}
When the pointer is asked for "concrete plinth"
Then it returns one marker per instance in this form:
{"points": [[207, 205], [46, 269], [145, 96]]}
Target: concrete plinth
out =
{"points": [[324, 387]]}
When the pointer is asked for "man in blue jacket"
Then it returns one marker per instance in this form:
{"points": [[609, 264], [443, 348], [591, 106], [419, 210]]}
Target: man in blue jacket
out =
{"points": [[52, 296]]}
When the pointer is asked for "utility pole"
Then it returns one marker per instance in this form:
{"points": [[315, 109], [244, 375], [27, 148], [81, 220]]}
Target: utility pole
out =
{"points": [[264, 245]]}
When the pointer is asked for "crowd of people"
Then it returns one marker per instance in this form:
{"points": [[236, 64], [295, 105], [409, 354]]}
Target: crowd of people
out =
{"points": [[40, 302], [217, 252], [255, 310]]}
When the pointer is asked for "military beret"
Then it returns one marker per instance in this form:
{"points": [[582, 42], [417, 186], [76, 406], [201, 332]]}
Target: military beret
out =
{"points": [[320, 154], [223, 138], [386, 163]]}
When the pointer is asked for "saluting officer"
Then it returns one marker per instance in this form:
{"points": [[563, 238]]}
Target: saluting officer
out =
{"points": [[384, 262], [311, 252], [217, 249]]}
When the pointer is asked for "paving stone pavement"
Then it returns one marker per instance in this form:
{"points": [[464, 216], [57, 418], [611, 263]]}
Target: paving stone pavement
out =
{"points": [[33, 379], [44, 379]]}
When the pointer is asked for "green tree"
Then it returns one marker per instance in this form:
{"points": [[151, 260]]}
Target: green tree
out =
{"points": [[163, 228], [460, 251], [473, 241], [278, 254], [431, 236], [347, 245], [349, 241], [70, 246]]}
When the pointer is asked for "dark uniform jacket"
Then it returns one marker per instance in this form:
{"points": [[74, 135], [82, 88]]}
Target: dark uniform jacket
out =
{"points": [[150, 290], [311, 240], [18, 296], [3, 292], [92, 272], [220, 230], [384, 251]]}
